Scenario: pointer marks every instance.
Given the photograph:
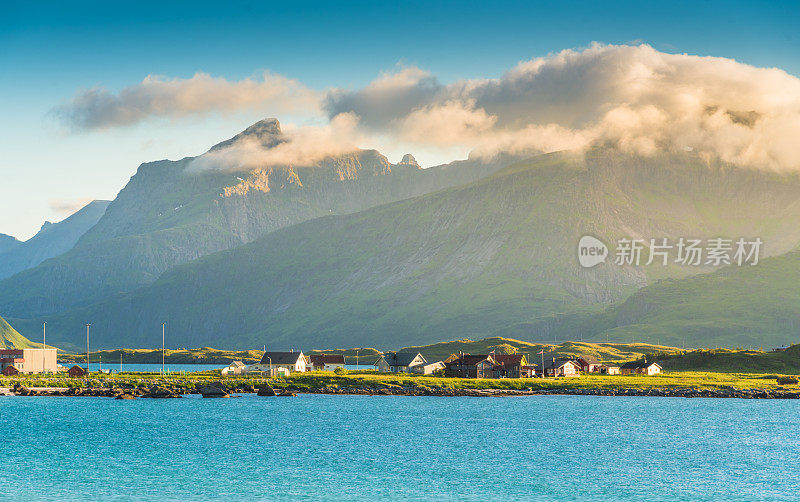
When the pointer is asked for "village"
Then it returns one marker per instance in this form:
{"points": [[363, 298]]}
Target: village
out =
{"points": [[456, 366], [283, 363]]}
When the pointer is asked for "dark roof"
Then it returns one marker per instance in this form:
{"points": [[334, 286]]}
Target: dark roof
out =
{"points": [[321, 359], [638, 364], [508, 359], [471, 360], [280, 357], [401, 358], [587, 359]]}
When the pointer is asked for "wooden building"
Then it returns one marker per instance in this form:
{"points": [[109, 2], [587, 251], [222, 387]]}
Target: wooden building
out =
{"points": [[326, 362], [77, 371], [588, 364], [561, 368], [469, 366], [509, 365], [280, 363], [400, 362], [427, 368], [640, 367], [10, 370], [234, 368], [609, 369]]}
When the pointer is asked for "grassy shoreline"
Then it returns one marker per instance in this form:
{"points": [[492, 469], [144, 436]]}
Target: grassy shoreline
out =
{"points": [[370, 381]]}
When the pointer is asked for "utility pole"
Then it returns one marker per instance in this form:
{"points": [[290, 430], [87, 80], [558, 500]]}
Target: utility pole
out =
{"points": [[87, 346], [163, 328], [356, 359], [44, 345]]}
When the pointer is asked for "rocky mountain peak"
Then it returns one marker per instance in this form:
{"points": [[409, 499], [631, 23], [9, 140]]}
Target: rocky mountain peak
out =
{"points": [[408, 160], [267, 131]]}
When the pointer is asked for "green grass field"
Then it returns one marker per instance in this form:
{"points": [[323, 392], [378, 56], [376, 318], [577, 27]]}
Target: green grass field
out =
{"points": [[372, 380]]}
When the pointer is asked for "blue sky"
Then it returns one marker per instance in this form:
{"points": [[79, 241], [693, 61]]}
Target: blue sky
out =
{"points": [[49, 52]]}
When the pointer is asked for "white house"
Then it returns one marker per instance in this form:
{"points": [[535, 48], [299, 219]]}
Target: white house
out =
{"points": [[561, 368], [234, 368], [279, 363], [399, 362], [427, 368], [641, 367]]}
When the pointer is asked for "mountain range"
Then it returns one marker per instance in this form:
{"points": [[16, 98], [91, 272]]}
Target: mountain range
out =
{"points": [[52, 240], [170, 213], [389, 254]]}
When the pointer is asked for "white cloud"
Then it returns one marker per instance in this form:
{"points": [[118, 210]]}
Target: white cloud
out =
{"points": [[68, 206], [634, 97], [299, 146], [158, 96]]}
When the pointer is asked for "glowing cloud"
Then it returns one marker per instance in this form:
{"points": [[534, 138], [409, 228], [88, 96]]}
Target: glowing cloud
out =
{"points": [[157, 96], [634, 97]]}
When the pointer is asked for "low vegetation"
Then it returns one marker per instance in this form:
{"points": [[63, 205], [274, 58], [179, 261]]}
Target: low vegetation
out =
{"points": [[372, 380]]}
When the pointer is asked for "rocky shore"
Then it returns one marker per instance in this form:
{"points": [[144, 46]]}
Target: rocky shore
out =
{"points": [[221, 390]]}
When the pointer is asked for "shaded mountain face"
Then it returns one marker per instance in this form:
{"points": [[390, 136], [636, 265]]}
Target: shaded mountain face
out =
{"points": [[498, 255], [170, 213], [52, 240], [732, 307], [8, 242]]}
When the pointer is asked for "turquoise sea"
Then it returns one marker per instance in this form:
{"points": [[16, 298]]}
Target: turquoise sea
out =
{"points": [[316, 447]]}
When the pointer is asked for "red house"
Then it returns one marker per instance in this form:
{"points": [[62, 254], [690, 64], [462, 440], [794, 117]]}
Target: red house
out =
{"points": [[10, 371], [588, 364], [76, 371]]}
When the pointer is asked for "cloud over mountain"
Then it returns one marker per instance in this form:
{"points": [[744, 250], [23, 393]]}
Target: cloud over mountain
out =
{"points": [[157, 96], [294, 146], [634, 97]]}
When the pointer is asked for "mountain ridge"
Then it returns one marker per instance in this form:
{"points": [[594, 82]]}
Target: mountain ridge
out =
{"points": [[167, 215], [496, 256]]}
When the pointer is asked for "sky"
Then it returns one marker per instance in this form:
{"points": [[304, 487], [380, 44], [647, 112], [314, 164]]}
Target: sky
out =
{"points": [[66, 138]]}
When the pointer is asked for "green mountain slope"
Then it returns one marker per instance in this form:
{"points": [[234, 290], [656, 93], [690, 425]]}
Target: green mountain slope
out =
{"points": [[171, 213], [52, 240], [11, 339], [733, 307], [496, 256]]}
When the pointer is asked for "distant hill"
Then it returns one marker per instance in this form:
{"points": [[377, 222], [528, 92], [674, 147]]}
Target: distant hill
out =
{"points": [[731, 307], [603, 352], [733, 361], [52, 240], [496, 256], [171, 213], [11, 339]]}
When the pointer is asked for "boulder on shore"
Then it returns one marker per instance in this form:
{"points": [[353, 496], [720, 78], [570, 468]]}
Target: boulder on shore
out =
{"points": [[266, 390], [214, 390]]}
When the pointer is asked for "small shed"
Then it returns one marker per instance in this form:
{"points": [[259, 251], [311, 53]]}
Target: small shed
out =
{"points": [[10, 370], [77, 371], [234, 368]]}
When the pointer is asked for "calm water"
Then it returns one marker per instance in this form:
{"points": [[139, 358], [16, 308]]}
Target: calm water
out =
{"points": [[361, 447]]}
